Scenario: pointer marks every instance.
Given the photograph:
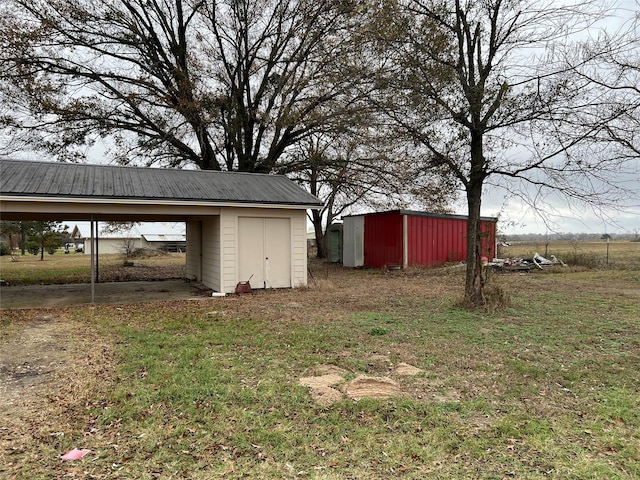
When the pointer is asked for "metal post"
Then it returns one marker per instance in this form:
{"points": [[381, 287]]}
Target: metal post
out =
{"points": [[97, 253], [93, 276]]}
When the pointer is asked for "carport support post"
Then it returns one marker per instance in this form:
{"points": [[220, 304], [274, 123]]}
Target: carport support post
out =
{"points": [[97, 254], [93, 282]]}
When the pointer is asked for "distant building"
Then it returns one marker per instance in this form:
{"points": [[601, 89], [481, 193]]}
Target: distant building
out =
{"points": [[166, 236]]}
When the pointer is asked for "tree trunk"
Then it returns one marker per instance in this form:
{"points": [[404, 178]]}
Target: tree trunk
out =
{"points": [[321, 246], [474, 281], [23, 238]]}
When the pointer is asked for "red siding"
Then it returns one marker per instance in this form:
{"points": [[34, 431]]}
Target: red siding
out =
{"points": [[432, 240], [488, 239], [383, 239], [436, 240]]}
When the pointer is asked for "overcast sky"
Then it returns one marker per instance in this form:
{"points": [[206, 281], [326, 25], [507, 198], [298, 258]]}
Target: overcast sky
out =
{"points": [[554, 214]]}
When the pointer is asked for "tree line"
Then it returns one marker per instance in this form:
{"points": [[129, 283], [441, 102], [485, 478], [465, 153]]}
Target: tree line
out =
{"points": [[33, 237], [381, 103]]}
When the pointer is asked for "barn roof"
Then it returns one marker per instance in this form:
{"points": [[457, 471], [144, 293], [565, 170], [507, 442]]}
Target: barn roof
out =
{"points": [[422, 214], [150, 231], [20, 178]]}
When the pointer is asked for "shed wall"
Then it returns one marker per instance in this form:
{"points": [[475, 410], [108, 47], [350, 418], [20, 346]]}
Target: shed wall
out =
{"points": [[436, 240], [111, 245], [489, 230], [395, 238], [353, 241], [211, 263], [230, 251], [383, 239]]}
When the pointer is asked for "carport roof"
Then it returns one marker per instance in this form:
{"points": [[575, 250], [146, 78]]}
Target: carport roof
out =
{"points": [[78, 182]]}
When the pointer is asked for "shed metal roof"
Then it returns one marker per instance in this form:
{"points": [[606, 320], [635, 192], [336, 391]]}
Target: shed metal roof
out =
{"points": [[422, 214], [20, 178]]}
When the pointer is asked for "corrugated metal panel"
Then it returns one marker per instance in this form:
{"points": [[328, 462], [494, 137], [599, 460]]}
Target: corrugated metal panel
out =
{"points": [[47, 179], [436, 240], [383, 239], [353, 241], [488, 239]]}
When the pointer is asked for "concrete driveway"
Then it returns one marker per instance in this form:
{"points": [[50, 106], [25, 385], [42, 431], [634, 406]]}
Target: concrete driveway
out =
{"points": [[49, 296]]}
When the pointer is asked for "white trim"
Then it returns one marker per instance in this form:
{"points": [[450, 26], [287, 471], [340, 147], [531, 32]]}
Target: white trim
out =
{"points": [[155, 202]]}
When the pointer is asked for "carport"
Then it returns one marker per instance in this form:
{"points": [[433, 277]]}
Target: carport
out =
{"points": [[239, 225]]}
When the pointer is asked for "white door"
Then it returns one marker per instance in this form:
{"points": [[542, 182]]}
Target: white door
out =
{"points": [[264, 251]]}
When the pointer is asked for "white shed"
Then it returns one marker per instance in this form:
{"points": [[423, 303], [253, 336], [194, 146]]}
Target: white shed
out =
{"points": [[238, 225]]}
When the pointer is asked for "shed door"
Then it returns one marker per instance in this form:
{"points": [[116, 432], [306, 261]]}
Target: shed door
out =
{"points": [[264, 251]]}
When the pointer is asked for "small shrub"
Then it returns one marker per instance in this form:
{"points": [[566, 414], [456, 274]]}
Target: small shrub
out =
{"points": [[33, 248], [146, 253], [5, 249], [496, 298]]}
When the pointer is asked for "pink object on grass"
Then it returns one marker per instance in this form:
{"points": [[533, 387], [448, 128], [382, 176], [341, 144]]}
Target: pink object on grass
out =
{"points": [[74, 454]]}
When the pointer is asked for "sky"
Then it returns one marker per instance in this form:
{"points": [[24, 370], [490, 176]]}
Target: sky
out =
{"points": [[556, 214]]}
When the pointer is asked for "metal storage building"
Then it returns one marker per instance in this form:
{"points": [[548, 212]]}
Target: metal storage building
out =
{"points": [[406, 237]]}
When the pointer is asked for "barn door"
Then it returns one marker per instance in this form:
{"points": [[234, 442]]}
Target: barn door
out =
{"points": [[264, 251]]}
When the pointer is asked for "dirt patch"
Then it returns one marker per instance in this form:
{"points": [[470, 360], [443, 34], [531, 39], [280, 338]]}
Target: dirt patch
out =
{"points": [[32, 356], [52, 365], [322, 389], [322, 381], [406, 370], [329, 385], [371, 387]]}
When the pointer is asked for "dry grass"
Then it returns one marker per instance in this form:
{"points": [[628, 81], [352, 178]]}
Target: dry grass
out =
{"points": [[622, 254]]}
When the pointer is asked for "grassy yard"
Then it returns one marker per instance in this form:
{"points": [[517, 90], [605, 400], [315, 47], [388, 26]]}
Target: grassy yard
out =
{"points": [[547, 388], [76, 268]]}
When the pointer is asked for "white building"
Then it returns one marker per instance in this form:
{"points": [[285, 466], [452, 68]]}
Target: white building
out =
{"points": [[167, 236]]}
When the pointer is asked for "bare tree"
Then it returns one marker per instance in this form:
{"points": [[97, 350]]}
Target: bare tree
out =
{"points": [[484, 88], [615, 68], [355, 170], [222, 84]]}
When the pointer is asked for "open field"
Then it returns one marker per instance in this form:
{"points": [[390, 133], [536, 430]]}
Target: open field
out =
{"points": [[622, 254], [76, 268], [547, 388]]}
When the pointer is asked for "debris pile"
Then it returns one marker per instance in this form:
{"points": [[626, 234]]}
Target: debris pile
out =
{"points": [[524, 264]]}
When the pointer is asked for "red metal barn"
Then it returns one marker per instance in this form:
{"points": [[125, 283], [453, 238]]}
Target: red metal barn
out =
{"points": [[406, 237]]}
